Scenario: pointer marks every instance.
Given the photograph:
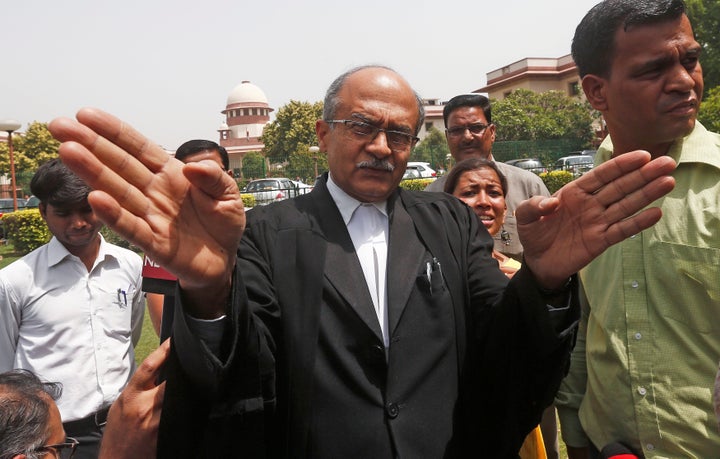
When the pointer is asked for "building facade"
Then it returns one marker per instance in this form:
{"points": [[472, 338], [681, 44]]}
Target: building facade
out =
{"points": [[537, 74], [246, 113]]}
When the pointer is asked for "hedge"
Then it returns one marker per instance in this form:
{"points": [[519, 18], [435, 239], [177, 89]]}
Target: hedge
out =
{"points": [[25, 229], [554, 180]]}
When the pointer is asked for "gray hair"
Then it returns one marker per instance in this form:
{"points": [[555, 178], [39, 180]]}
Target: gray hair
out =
{"points": [[332, 99], [24, 413]]}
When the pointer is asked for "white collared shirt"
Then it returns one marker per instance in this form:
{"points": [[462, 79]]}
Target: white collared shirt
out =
{"points": [[72, 326], [370, 247]]}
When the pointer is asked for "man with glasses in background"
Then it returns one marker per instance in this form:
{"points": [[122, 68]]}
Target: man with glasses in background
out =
{"points": [[30, 424], [470, 133]]}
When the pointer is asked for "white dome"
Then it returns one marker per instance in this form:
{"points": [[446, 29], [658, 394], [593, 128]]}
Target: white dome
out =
{"points": [[245, 93]]}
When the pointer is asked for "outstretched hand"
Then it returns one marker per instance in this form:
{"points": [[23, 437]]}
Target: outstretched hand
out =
{"points": [[563, 233], [187, 217]]}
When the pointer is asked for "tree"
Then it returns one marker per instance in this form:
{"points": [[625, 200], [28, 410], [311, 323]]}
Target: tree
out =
{"points": [[528, 115], [292, 130], [302, 164], [709, 114], [432, 149], [37, 146], [705, 18], [253, 165]]}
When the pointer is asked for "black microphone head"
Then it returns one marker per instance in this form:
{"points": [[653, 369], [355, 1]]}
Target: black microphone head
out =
{"points": [[617, 451]]}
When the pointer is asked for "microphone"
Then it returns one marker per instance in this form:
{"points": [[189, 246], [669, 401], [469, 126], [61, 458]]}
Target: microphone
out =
{"points": [[155, 279], [617, 451]]}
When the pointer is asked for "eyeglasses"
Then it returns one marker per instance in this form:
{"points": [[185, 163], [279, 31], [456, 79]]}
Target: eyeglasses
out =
{"points": [[62, 450], [475, 129], [397, 140]]}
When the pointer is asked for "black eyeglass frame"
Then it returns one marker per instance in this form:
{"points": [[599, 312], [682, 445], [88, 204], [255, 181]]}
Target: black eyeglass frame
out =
{"points": [[457, 131], [398, 138], [70, 443]]}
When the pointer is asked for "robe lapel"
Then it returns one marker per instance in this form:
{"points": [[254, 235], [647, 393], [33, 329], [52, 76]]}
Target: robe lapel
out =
{"points": [[405, 255], [342, 267]]}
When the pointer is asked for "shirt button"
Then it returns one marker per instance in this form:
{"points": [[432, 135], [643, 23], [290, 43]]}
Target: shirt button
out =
{"points": [[642, 391], [392, 410], [638, 335], [633, 236], [634, 284], [650, 447]]}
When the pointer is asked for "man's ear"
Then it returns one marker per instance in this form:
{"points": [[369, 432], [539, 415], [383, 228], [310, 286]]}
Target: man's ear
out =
{"points": [[42, 207], [594, 88], [321, 130], [491, 131], [19, 456]]}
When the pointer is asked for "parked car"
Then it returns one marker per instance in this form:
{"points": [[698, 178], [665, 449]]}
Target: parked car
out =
{"points": [[6, 205], [271, 189], [583, 153], [423, 169], [301, 188], [411, 173], [529, 164], [577, 164]]}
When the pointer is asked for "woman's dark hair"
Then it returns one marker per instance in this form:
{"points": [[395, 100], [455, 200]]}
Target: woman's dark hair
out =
{"points": [[472, 164]]}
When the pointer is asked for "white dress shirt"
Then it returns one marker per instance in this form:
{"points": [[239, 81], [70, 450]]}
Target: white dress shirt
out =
{"points": [[368, 226], [72, 326]]}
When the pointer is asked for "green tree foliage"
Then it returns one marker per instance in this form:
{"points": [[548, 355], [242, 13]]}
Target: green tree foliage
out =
{"points": [[432, 149], [292, 130], [253, 165], [705, 18], [302, 164], [37, 146], [528, 115], [709, 114]]}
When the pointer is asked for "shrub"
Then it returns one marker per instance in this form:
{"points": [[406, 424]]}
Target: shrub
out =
{"points": [[554, 180], [416, 184], [248, 200], [26, 230]]}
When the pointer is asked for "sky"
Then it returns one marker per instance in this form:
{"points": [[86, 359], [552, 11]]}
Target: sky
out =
{"points": [[167, 67]]}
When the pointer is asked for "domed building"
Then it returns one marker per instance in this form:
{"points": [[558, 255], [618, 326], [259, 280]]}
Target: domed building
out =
{"points": [[246, 114]]}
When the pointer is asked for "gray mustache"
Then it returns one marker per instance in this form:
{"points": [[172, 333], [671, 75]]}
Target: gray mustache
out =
{"points": [[380, 164]]}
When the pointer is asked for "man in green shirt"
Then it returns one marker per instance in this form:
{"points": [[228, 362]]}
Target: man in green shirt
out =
{"points": [[649, 340]]}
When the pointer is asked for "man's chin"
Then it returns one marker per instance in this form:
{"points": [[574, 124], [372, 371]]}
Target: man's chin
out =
{"points": [[466, 153]]}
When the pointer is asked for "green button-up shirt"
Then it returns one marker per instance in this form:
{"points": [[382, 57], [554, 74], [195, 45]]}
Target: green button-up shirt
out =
{"points": [[648, 345]]}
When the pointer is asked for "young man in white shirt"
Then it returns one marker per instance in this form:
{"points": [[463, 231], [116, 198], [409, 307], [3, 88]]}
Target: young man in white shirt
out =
{"points": [[72, 309]]}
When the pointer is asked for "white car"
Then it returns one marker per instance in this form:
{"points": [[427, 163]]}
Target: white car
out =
{"points": [[424, 170], [269, 189]]}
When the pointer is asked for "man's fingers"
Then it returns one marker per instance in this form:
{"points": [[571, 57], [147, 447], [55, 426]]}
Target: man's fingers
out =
{"points": [[124, 136], [634, 179], [623, 229], [146, 374], [639, 199]]}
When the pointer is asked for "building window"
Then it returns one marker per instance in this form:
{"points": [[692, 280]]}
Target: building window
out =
{"points": [[428, 125], [574, 88]]}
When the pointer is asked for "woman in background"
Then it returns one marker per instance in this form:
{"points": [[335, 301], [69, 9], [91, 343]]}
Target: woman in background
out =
{"points": [[480, 184]]}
